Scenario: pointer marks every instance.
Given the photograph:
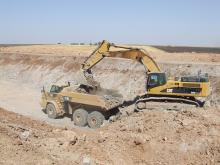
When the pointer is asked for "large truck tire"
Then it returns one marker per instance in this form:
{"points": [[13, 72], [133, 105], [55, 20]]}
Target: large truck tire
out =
{"points": [[51, 111], [95, 119], [80, 117]]}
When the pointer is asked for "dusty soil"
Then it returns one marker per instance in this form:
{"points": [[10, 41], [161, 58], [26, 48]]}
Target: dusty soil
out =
{"points": [[158, 136], [152, 137]]}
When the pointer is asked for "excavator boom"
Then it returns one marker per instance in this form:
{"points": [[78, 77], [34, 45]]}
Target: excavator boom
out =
{"points": [[129, 53], [138, 55]]}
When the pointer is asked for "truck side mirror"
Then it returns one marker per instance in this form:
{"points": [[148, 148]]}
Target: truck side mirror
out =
{"points": [[43, 90]]}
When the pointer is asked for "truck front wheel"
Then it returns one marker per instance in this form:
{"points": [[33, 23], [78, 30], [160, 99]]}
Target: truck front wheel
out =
{"points": [[95, 119], [80, 117], [51, 111]]}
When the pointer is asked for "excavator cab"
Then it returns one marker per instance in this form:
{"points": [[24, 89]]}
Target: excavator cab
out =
{"points": [[156, 79]]}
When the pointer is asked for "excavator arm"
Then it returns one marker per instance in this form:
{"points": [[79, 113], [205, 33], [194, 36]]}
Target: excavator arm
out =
{"points": [[96, 56], [128, 53]]}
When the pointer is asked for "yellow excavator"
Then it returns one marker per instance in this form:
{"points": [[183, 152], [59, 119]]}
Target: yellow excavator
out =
{"points": [[159, 87]]}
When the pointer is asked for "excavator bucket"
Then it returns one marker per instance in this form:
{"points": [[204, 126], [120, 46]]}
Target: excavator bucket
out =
{"points": [[86, 79]]}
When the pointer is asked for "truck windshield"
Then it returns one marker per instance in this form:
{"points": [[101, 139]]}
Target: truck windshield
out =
{"points": [[55, 89]]}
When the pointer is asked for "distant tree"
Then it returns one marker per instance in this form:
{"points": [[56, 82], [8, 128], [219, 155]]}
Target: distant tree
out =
{"points": [[59, 43], [74, 43]]}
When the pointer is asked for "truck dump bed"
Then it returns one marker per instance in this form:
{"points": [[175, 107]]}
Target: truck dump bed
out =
{"points": [[105, 102]]}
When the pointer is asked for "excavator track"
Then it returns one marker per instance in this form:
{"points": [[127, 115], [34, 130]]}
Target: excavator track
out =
{"points": [[140, 104]]}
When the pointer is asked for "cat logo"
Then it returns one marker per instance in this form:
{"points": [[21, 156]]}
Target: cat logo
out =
{"points": [[169, 90]]}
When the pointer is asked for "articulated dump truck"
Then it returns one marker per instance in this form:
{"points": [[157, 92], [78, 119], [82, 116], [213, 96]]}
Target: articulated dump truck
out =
{"points": [[85, 107]]}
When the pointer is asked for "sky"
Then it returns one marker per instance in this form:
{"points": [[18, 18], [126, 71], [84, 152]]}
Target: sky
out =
{"points": [[153, 22]]}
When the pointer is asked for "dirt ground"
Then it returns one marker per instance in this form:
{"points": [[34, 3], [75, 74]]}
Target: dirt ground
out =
{"points": [[186, 135], [153, 137]]}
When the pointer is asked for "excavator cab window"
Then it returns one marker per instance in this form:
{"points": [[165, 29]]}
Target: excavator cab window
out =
{"points": [[156, 79]]}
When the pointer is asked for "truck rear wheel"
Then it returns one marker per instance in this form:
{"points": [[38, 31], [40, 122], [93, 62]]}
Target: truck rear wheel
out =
{"points": [[51, 111], [95, 119], [80, 117]]}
